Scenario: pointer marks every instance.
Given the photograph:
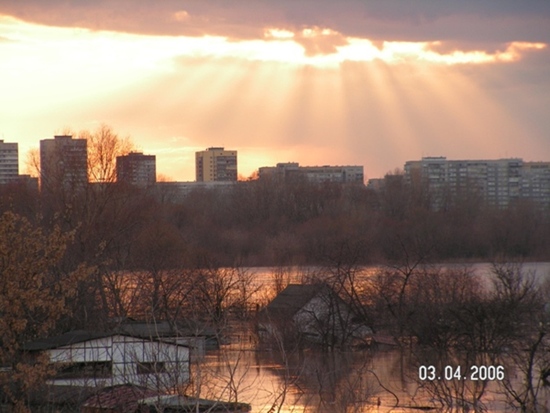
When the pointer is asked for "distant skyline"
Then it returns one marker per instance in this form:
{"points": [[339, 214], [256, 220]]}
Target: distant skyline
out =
{"points": [[344, 82]]}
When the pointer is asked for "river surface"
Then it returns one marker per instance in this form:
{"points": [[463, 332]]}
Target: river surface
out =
{"points": [[380, 380]]}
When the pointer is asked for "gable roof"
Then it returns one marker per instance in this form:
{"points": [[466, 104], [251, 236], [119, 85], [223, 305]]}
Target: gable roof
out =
{"points": [[80, 336], [72, 337], [294, 297]]}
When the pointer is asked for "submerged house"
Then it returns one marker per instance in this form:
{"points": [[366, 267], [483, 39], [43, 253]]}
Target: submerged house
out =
{"points": [[312, 313], [95, 359]]}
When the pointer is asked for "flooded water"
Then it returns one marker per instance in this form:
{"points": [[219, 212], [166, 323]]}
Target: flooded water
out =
{"points": [[307, 382], [381, 381], [358, 382], [384, 380]]}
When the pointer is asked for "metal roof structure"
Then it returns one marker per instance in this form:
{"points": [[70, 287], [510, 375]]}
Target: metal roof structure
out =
{"points": [[80, 336], [71, 337]]}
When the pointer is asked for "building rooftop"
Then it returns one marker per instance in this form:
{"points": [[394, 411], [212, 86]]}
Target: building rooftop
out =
{"points": [[138, 330], [72, 337], [293, 298]]}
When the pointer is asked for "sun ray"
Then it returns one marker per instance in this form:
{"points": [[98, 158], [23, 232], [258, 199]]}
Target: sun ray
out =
{"points": [[313, 93]]}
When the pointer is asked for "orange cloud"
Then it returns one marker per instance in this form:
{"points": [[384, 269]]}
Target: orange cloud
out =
{"points": [[181, 15], [318, 41]]}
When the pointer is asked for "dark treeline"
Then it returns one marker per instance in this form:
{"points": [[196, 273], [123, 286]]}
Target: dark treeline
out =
{"points": [[269, 223]]}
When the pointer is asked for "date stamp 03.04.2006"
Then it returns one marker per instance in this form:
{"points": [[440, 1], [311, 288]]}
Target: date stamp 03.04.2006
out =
{"points": [[483, 373]]}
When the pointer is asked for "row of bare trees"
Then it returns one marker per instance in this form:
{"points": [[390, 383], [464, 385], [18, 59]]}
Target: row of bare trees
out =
{"points": [[453, 317], [284, 223]]}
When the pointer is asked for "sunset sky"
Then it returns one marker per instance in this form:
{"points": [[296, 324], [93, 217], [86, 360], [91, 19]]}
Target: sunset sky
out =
{"points": [[348, 82]]}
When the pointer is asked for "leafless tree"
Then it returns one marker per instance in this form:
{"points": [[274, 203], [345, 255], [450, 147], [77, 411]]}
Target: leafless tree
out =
{"points": [[526, 351], [104, 145]]}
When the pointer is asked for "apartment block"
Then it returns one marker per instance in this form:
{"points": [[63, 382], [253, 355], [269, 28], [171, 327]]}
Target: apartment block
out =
{"points": [[136, 169], [317, 174], [63, 163], [9, 162], [535, 181], [216, 164], [499, 181]]}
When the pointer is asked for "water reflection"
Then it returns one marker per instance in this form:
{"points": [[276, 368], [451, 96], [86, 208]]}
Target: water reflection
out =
{"points": [[347, 382], [312, 381]]}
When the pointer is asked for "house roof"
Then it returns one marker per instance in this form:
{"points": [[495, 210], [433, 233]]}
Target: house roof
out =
{"points": [[80, 336], [294, 297], [72, 337]]}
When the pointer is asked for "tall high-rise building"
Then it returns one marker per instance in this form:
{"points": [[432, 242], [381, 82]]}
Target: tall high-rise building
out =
{"points": [[63, 162], [136, 169], [9, 162], [216, 164]]}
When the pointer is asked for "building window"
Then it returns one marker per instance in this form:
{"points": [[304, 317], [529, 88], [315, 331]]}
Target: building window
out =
{"points": [[93, 369], [150, 367]]}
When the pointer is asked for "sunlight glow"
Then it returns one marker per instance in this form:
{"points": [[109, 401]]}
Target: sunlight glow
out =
{"points": [[278, 34], [297, 92], [316, 32], [399, 52]]}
